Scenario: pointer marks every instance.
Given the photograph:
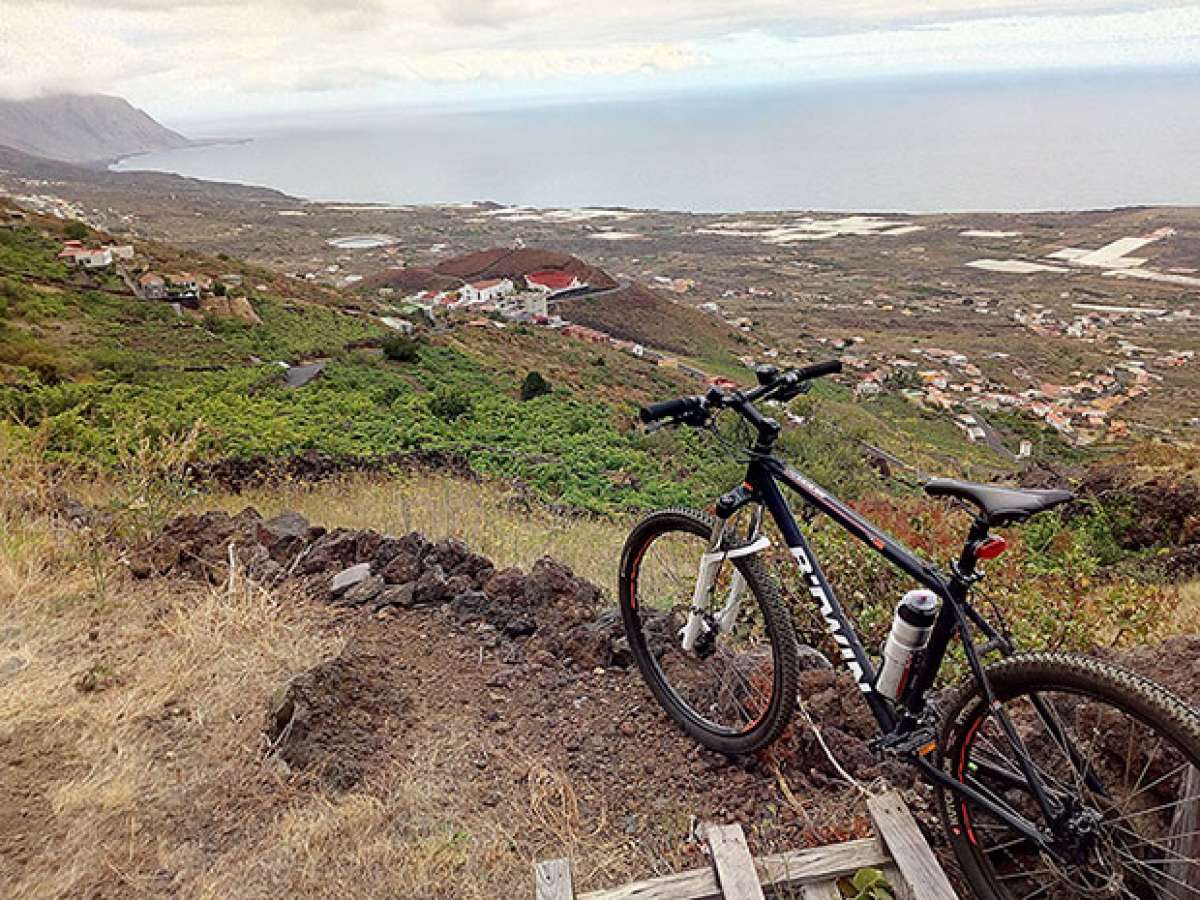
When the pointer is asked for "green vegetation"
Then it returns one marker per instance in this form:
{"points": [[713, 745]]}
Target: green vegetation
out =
{"points": [[402, 348], [534, 385], [89, 374], [25, 252], [867, 884]]}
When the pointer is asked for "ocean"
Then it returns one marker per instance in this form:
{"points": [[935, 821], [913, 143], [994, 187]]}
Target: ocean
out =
{"points": [[1063, 141]]}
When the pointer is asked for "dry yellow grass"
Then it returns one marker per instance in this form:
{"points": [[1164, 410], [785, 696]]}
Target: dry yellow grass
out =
{"points": [[136, 707], [124, 704], [485, 515], [131, 752]]}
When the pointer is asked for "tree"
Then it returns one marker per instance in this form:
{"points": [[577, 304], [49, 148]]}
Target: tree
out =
{"points": [[401, 348], [76, 231], [901, 380], [534, 385], [448, 404]]}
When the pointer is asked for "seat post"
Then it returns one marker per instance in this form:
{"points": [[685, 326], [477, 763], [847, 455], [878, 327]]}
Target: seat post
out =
{"points": [[966, 560]]}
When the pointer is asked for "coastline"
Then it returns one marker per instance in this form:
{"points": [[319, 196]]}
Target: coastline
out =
{"points": [[196, 144], [373, 206]]}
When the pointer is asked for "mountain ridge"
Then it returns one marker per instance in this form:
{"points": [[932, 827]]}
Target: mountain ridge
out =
{"points": [[82, 128]]}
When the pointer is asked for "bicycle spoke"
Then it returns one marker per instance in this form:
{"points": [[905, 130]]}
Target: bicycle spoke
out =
{"points": [[1096, 760], [1146, 812], [1158, 873], [727, 679]]}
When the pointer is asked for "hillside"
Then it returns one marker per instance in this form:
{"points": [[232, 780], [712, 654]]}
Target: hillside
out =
{"points": [[625, 310], [91, 368], [511, 263], [499, 262], [193, 706], [634, 312], [82, 128]]}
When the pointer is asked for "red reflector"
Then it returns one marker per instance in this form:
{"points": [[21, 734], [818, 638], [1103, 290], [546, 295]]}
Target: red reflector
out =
{"points": [[991, 548]]}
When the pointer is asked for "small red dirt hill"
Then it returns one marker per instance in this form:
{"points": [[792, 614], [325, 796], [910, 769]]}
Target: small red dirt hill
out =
{"points": [[499, 262], [503, 262]]}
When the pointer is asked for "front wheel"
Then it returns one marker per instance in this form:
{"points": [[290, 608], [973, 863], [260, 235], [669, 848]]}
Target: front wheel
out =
{"points": [[734, 689], [1119, 757]]}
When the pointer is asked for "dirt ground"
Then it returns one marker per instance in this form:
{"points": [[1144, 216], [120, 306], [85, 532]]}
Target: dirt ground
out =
{"points": [[196, 736], [420, 764]]}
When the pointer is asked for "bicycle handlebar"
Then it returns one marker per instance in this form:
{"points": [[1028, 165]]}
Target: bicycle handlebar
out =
{"points": [[694, 410], [818, 370], [671, 409]]}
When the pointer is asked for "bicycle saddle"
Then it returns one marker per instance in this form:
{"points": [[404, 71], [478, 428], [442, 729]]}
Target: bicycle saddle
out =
{"points": [[999, 504]]}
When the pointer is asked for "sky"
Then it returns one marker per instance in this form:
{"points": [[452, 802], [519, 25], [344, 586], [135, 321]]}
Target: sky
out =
{"points": [[184, 61]]}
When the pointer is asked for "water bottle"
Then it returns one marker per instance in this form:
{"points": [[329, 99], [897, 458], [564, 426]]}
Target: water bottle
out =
{"points": [[909, 635]]}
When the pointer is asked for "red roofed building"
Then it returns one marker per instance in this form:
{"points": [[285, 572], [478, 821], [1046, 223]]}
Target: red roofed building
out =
{"points": [[71, 249], [553, 281]]}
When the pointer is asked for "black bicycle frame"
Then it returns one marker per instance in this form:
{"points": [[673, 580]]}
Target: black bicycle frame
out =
{"points": [[763, 477]]}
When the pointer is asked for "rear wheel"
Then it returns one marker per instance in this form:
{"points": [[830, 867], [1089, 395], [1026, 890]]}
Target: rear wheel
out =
{"points": [[1120, 759], [736, 690]]}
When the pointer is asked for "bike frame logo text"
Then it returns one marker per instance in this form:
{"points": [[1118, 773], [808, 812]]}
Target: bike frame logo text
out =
{"points": [[831, 620]]}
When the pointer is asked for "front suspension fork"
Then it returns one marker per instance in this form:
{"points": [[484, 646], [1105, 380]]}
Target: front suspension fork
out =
{"points": [[699, 618]]}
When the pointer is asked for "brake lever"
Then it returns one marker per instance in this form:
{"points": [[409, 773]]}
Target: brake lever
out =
{"points": [[793, 392]]}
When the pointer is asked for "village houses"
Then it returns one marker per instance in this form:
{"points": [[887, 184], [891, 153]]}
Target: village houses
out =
{"points": [[554, 281], [152, 286], [489, 290]]}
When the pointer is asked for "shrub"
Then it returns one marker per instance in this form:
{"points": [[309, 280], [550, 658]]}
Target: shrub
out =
{"points": [[534, 385], [76, 231], [47, 368], [901, 380], [449, 404], [402, 348]]}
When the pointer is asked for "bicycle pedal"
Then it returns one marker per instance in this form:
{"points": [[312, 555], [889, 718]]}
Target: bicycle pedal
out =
{"points": [[920, 742]]}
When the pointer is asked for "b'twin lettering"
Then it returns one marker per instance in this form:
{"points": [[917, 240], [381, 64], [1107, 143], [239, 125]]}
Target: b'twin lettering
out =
{"points": [[835, 627]]}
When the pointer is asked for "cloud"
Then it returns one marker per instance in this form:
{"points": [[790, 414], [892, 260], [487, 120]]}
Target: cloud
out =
{"points": [[188, 57]]}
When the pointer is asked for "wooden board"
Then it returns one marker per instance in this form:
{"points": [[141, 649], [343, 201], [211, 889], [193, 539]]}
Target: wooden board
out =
{"points": [[916, 862], [733, 863], [821, 890], [552, 880], [818, 864], [900, 888]]}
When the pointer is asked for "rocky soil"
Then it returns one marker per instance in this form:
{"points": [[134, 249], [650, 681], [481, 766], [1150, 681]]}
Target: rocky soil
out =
{"points": [[531, 666], [535, 661]]}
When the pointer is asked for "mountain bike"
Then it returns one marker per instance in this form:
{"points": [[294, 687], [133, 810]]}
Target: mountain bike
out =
{"points": [[1055, 775]]}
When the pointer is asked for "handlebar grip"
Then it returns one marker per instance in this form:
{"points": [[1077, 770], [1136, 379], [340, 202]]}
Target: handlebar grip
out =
{"points": [[819, 370], [670, 409]]}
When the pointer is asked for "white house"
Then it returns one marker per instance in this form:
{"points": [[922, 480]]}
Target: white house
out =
{"points": [[489, 290], [426, 299], [94, 259], [120, 251]]}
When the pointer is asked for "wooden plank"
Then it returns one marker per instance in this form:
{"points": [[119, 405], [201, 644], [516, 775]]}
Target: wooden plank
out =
{"points": [[1184, 839], [904, 840], [775, 873], [820, 863], [733, 863], [820, 890], [900, 888], [552, 880]]}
